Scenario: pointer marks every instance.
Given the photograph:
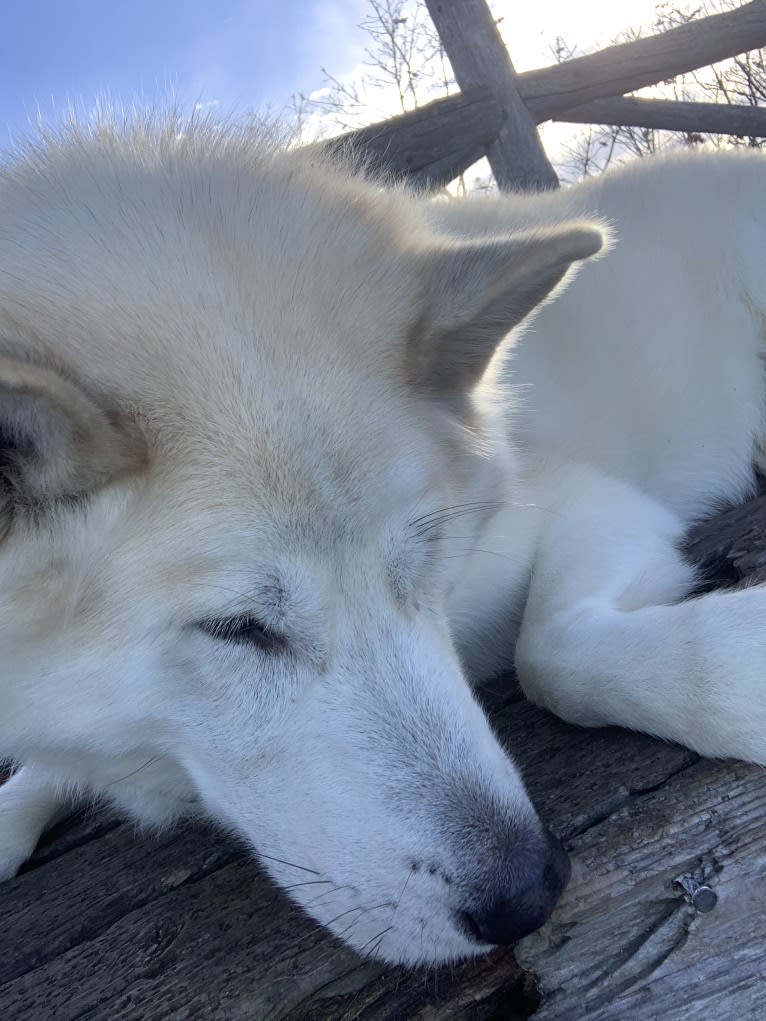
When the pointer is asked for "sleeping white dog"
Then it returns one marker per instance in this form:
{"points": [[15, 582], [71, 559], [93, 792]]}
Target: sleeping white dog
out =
{"points": [[275, 482]]}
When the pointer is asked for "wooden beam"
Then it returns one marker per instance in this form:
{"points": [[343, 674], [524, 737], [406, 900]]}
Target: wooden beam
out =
{"points": [[437, 142], [434, 144], [479, 57], [430, 146], [731, 548], [668, 115], [548, 92]]}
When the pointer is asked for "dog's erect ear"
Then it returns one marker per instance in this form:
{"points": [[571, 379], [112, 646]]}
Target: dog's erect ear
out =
{"points": [[478, 291], [55, 440]]}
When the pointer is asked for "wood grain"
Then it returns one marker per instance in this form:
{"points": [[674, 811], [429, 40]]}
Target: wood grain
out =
{"points": [[479, 58]]}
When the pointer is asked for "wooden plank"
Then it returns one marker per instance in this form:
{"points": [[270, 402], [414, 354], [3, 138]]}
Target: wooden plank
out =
{"points": [[669, 115], [437, 142], [732, 547], [547, 92], [110, 926], [626, 943], [430, 146], [184, 926], [478, 57]]}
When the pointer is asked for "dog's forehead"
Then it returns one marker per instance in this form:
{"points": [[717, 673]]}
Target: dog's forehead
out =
{"points": [[137, 266], [345, 462]]}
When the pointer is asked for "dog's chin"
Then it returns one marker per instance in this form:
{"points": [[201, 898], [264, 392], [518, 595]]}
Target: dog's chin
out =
{"points": [[442, 950], [418, 931], [420, 943]]}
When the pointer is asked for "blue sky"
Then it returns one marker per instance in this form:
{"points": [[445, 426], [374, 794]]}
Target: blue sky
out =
{"points": [[240, 53]]}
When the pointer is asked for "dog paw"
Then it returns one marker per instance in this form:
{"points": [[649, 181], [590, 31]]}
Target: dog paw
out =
{"points": [[28, 805], [17, 842]]}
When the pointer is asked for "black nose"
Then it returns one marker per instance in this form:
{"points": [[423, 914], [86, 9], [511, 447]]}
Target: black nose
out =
{"points": [[507, 915]]}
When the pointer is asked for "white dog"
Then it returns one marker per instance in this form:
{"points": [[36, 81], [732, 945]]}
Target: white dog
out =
{"points": [[261, 517]]}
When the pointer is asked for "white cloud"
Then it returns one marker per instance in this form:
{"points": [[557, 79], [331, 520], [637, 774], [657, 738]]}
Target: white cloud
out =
{"points": [[529, 30]]}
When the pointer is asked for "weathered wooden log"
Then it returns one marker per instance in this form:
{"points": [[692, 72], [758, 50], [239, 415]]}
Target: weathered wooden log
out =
{"points": [[670, 115], [499, 101], [731, 548], [430, 146], [549, 91], [436, 143], [478, 57], [420, 145]]}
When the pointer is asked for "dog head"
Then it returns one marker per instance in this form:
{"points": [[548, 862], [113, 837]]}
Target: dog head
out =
{"points": [[247, 432]]}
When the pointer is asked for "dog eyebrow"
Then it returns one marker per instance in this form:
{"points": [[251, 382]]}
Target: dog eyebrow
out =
{"points": [[278, 605], [272, 602], [273, 595]]}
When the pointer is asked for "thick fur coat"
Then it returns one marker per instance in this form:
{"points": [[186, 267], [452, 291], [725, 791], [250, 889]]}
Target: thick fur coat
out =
{"points": [[287, 460]]}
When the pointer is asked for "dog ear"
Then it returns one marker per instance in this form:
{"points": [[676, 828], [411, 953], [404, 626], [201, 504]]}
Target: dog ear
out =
{"points": [[480, 290], [55, 440]]}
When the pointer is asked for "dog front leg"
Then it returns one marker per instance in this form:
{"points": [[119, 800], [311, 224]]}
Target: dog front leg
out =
{"points": [[30, 803], [609, 637]]}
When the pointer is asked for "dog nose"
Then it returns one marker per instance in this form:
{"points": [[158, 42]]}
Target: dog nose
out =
{"points": [[508, 915]]}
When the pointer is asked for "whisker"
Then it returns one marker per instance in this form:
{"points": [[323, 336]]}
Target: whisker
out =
{"points": [[325, 893], [290, 864], [477, 549], [311, 933], [342, 914], [460, 508], [362, 912], [200, 583], [308, 882], [410, 874], [377, 939], [331, 951], [426, 524], [295, 946], [127, 776]]}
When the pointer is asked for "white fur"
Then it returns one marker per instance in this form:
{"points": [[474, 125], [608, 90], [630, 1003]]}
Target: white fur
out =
{"points": [[251, 310]]}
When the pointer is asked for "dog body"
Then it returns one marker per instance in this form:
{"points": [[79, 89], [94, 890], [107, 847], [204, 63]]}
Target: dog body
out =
{"points": [[275, 485]]}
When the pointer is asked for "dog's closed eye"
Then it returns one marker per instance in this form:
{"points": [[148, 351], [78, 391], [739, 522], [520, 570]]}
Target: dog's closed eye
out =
{"points": [[244, 629]]}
